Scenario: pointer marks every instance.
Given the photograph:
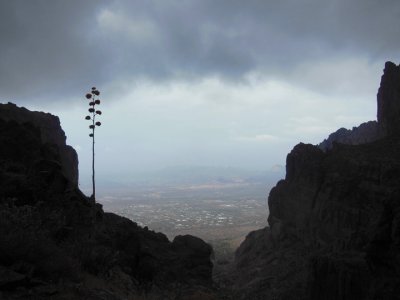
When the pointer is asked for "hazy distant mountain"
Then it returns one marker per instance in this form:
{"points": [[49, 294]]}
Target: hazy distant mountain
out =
{"points": [[177, 175]]}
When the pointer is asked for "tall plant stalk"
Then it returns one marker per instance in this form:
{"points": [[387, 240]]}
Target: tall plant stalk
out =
{"points": [[94, 100], [93, 172]]}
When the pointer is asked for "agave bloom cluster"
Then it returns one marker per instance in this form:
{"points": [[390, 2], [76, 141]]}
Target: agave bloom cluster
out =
{"points": [[94, 100]]}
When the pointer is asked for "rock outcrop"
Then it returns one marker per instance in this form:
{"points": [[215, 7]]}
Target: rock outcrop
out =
{"points": [[334, 220], [365, 133], [50, 133], [55, 243], [388, 103]]}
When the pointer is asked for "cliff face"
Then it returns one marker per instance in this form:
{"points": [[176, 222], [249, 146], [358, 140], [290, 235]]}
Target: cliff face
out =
{"points": [[50, 133], [334, 220], [56, 244], [388, 103]]}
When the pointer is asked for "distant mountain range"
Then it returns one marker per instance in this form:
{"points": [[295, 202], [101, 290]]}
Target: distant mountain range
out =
{"points": [[182, 175]]}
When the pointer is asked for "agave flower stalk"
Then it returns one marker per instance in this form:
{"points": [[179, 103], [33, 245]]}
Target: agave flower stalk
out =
{"points": [[94, 100]]}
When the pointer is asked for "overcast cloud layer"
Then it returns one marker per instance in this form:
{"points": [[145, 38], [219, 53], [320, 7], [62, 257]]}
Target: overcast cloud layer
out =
{"points": [[233, 83]]}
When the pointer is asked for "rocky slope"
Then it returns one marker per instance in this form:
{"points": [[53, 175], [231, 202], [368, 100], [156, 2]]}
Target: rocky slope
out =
{"points": [[57, 244], [334, 224]]}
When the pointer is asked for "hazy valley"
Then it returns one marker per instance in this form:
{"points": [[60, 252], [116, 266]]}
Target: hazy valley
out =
{"points": [[221, 209]]}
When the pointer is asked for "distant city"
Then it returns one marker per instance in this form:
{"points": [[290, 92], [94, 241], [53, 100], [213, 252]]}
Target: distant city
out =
{"points": [[221, 210]]}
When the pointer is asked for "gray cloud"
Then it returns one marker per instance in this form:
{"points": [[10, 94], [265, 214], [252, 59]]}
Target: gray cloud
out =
{"points": [[47, 47], [52, 47]]}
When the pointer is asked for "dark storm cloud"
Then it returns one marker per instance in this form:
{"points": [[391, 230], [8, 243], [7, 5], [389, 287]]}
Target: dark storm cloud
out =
{"points": [[46, 46], [51, 46], [234, 37]]}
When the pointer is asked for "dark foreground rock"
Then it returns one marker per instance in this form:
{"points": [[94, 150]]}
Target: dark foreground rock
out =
{"points": [[55, 243], [334, 224]]}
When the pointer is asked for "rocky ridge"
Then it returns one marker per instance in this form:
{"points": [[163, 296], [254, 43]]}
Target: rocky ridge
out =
{"points": [[365, 133], [55, 243], [334, 223]]}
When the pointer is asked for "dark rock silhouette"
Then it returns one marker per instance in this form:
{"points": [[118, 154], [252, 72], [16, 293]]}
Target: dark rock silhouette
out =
{"points": [[57, 244], [50, 133], [365, 133], [388, 115], [334, 220], [388, 103]]}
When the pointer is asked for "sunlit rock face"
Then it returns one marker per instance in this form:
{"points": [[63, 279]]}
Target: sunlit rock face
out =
{"points": [[334, 220]]}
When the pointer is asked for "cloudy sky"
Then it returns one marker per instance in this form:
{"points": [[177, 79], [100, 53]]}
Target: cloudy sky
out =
{"points": [[197, 82]]}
